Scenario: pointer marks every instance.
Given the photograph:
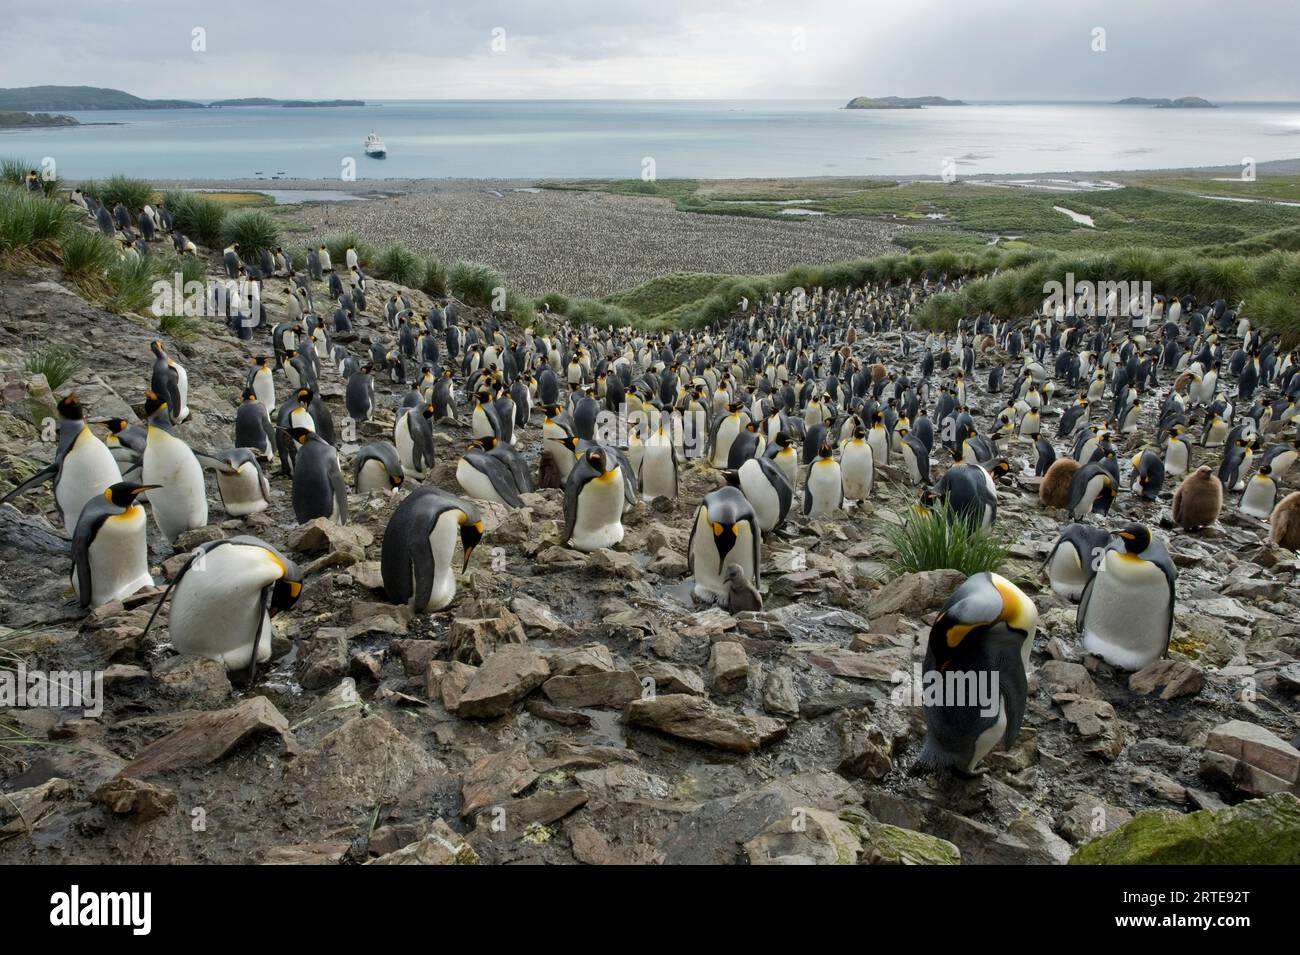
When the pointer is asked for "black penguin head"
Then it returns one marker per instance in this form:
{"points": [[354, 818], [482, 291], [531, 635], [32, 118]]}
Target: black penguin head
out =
{"points": [[596, 459], [123, 494], [70, 409], [304, 396], [299, 435], [1136, 537], [285, 591], [428, 411], [825, 451], [116, 425], [153, 403], [471, 532], [249, 395], [156, 347]]}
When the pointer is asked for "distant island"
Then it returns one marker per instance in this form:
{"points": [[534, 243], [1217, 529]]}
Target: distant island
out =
{"points": [[900, 102], [1183, 102], [82, 98], [286, 103], [85, 98], [10, 119]]}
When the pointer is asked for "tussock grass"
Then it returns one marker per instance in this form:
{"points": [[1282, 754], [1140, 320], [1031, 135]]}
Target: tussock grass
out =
{"points": [[399, 264], [474, 284], [129, 285], [253, 229], [55, 362], [135, 194], [938, 538], [338, 247], [179, 326], [435, 278], [197, 216], [87, 256], [31, 226]]}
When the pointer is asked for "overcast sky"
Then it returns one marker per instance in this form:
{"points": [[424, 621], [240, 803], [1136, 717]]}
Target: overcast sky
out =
{"points": [[390, 49]]}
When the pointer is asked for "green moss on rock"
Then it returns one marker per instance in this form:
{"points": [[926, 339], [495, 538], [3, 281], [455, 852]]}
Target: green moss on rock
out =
{"points": [[1258, 832]]}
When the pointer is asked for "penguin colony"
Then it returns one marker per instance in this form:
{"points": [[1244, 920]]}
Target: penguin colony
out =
{"points": [[791, 403]]}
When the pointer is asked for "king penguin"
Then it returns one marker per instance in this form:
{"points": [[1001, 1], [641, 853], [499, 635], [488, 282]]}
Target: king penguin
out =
{"points": [[420, 545], [1126, 613], [318, 488], [979, 642], [593, 501], [857, 466], [110, 559], [83, 468], [180, 502], [243, 487], [1074, 559], [823, 490], [222, 610], [377, 468], [725, 532], [767, 490]]}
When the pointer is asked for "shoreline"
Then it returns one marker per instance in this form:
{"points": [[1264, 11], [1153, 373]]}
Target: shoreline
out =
{"points": [[396, 185]]}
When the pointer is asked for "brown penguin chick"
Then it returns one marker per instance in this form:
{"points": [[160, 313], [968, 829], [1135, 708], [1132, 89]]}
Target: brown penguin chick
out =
{"points": [[879, 373], [1284, 522], [741, 594], [1198, 500], [1054, 491]]}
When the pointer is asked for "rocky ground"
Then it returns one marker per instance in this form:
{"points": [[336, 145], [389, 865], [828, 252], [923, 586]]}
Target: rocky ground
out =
{"points": [[590, 243], [580, 708]]}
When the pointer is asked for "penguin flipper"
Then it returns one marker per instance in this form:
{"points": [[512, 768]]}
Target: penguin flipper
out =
{"points": [[46, 473], [1082, 613], [82, 537], [340, 489]]}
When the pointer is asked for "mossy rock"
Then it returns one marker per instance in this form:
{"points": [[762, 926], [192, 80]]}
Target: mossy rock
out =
{"points": [[883, 844], [1256, 832]]}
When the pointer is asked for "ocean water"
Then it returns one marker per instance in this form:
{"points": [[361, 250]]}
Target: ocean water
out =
{"points": [[697, 138]]}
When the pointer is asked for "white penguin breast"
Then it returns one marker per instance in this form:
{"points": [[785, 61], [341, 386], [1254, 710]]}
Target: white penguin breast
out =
{"points": [[1127, 619], [476, 483], [89, 469], [119, 558], [761, 495], [373, 476], [217, 608]]}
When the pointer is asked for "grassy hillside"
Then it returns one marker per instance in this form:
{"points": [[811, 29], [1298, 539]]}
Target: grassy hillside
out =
{"points": [[82, 98], [1238, 252]]}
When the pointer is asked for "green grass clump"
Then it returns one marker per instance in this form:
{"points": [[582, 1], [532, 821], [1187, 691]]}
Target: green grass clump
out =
{"points": [[435, 278], [938, 538], [557, 303], [179, 326], [254, 230], [665, 292], [129, 285], [135, 194], [31, 226], [474, 284], [338, 246], [55, 362], [198, 217], [399, 264], [87, 256]]}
